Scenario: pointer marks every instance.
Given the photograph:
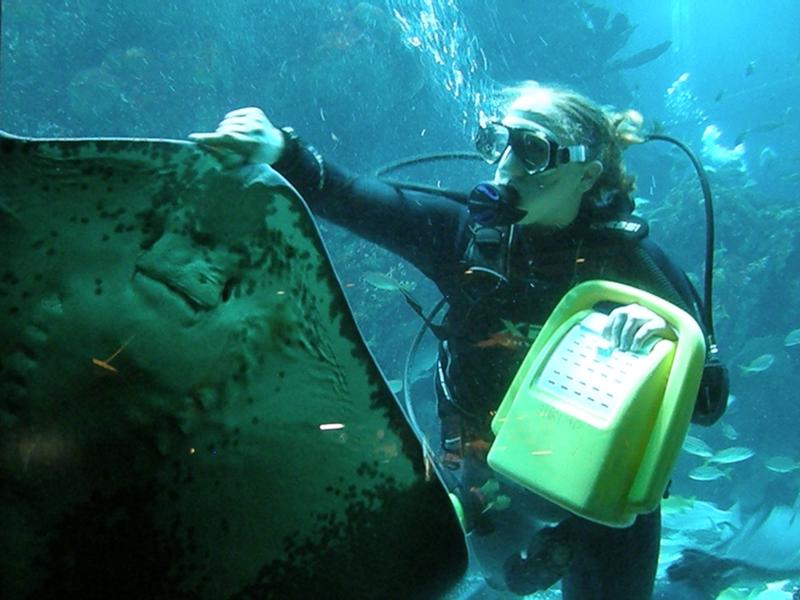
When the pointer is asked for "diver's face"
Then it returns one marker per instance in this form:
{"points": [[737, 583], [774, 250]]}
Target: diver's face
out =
{"points": [[552, 197]]}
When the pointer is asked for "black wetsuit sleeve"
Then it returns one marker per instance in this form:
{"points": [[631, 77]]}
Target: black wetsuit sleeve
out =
{"points": [[421, 228]]}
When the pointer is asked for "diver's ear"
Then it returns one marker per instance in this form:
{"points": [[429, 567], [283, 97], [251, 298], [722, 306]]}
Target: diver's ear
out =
{"points": [[591, 172]]}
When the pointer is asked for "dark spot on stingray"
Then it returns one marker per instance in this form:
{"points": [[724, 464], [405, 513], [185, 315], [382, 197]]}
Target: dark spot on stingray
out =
{"points": [[105, 237], [254, 420], [13, 310], [26, 295], [84, 220], [73, 219], [9, 277], [227, 289], [51, 252], [251, 400], [281, 374], [202, 238], [27, 351], [38, 276], [98, 292], [120, 228], [53, 233], [45, 188], [130, 228], [98, 281], [37, 244]]}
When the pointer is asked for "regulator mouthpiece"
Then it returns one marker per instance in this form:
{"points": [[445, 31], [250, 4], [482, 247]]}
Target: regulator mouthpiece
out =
{"points": [[492, 204]]}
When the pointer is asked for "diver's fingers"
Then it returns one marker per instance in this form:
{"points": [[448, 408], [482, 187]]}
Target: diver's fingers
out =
{"points": [[204, 138], [614, 324], [244, 125], [628, 333], [613, 328], [248, 111], [649, 332], [223, 138]]}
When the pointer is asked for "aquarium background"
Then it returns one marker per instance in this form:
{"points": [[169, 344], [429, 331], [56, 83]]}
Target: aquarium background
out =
{"points": [[373, 82]]}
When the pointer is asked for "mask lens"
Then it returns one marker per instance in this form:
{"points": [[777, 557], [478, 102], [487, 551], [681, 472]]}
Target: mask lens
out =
{"points": [[533, 150], [491, 141]]}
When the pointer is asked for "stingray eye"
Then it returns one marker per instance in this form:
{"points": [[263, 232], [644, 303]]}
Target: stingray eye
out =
{"points": [[228, 288]]}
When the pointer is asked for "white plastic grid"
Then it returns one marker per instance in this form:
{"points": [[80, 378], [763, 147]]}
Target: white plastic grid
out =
{"points": [[584, 372]]}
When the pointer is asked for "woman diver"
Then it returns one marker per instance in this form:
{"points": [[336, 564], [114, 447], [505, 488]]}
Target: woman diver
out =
{"points": [[558, 212]]}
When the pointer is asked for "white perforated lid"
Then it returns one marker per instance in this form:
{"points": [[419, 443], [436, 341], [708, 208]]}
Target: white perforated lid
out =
{"points": [[586, 371]]}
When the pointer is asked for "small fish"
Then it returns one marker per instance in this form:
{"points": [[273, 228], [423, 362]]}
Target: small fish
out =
{"points": [[758, 365], [641, 58], [697, 447], [729, 431], [731, 455], [503, 340], [781, 464], [708, 473], [382, 282], [681, 513], [719, 95], [750, 68], [792, 338]]}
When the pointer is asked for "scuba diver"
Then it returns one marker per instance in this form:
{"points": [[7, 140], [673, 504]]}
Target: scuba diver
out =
{"points": [[557, 212]]}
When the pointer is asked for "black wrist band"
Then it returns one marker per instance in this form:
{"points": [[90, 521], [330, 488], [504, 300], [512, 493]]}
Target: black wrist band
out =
{"points": [[292, 154]]}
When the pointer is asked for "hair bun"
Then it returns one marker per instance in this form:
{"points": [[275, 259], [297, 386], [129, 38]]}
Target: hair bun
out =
{"points": [[628, 127]]}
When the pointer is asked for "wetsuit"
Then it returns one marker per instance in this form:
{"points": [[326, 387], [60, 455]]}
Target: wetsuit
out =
{"points": [[490, 324]]}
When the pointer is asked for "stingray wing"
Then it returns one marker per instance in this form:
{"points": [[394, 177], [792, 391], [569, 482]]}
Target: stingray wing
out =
{"points": [[187, 408]]}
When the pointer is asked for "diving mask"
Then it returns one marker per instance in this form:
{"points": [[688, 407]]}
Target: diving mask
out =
{"points": [[534, 146]]}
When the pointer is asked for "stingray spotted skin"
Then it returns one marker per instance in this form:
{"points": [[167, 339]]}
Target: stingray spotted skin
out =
{"points": [[172, 339]]}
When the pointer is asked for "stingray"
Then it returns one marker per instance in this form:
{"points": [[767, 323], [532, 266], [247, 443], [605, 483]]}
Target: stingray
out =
{"points": [[765, 549], [187, 409]]}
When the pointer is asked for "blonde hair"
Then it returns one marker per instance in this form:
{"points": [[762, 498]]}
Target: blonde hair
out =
{"points": [[575, 119]]}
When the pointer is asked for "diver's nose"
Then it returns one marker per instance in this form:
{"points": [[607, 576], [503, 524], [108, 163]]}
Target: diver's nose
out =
{"points": [[510, 166]]}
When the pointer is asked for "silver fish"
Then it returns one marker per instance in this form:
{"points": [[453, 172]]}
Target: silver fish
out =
{"points": [[697, 447], [707, 473], [731, 455]]}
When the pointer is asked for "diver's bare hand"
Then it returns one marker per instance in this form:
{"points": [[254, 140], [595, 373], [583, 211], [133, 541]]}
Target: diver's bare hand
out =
{"points": [[245, 136], [634, 327]]}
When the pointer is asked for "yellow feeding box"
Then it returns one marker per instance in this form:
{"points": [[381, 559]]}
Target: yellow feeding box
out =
{"points": [[594, 429]]}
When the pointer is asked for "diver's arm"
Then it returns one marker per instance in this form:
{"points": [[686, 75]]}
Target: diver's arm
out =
{"points": [[417, 226]]}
